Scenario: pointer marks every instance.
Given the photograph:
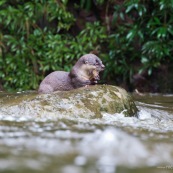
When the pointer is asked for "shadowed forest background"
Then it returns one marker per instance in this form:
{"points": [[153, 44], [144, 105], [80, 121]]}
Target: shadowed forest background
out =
{"points": [[134, 39]]}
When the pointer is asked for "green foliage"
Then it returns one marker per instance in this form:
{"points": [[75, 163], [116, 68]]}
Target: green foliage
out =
{"points": [[36, 37], [87, 4], [142, 39], [32, 46], [156, 31]]}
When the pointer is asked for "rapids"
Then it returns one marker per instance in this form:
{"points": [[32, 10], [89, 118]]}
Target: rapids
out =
{"points": [[110, 144]]}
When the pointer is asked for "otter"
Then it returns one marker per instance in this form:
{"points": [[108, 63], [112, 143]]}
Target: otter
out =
{"points": [[85, 72]]}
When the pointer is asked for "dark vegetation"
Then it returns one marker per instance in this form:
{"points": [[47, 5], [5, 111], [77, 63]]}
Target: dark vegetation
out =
{"points": [[134, 38]]}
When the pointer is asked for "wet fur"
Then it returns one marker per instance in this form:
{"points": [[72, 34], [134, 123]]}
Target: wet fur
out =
{"points": [[84, 72]]}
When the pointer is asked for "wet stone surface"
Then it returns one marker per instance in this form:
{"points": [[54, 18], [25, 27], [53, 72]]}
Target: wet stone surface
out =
{"points": [[90, 102]]}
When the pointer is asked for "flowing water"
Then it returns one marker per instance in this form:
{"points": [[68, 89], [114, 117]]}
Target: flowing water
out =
{"points": [[113, 143]]}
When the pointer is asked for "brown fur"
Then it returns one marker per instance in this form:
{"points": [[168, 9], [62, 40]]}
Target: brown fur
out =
{"points": [[84, 72]]}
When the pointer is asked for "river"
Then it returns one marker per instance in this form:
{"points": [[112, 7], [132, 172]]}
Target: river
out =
{"points": [[111, 144]]}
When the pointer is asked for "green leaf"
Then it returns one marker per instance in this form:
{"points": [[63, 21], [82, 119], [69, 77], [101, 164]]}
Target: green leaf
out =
{"points": [[150, 71], [2, 2], [144, 60]]}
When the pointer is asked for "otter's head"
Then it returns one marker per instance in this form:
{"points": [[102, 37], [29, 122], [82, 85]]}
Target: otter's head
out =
{"points": [[88, 67], [92, 60]]}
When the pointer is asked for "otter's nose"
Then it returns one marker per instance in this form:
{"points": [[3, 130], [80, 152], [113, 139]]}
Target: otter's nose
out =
{"points": [[102, 66]]}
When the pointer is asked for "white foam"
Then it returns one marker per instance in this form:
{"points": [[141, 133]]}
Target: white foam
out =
{"points": [[113, 145], [143, 115]]}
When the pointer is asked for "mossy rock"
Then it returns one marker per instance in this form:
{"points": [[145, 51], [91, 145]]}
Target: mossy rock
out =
{"points": [[87, 102]]}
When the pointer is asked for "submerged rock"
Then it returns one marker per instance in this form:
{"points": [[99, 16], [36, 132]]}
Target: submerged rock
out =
{"points": [[88, 102]]}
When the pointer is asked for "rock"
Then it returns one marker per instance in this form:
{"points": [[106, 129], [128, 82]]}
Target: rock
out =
{"points": [[87, 102]]}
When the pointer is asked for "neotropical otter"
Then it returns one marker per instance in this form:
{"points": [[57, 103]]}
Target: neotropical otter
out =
{"points": [[84, 72]]}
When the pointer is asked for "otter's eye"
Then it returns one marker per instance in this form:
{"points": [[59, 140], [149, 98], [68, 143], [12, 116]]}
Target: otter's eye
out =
{"points": [[97, 63]]}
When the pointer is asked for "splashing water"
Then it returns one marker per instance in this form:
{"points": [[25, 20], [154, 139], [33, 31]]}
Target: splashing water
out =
{"points": [[113, 143]]}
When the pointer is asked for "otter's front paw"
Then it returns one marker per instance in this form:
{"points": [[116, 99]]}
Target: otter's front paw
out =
{"points": [[86, 82], [97, 78]]}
